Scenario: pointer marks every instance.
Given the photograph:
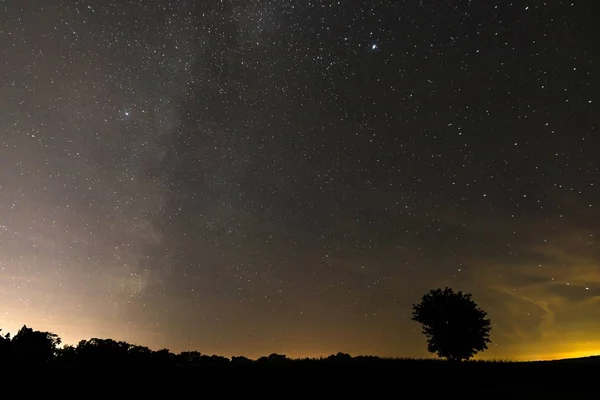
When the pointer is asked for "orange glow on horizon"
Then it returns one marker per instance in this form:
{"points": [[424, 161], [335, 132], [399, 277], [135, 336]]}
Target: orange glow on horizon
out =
{"points": [[578, 351], [300, 345]]}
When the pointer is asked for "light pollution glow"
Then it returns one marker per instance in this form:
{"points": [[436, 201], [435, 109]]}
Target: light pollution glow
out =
{"points": [[559, 325]]}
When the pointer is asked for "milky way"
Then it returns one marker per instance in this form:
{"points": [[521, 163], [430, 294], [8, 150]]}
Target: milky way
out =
{"points": [[250, 177]]}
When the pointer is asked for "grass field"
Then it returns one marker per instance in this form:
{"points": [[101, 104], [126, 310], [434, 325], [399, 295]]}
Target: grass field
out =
{"points": [[370, 378], [377, 378]]}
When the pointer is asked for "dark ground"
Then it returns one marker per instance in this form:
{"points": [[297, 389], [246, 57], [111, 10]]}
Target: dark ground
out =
{"points": [[371, 379]]}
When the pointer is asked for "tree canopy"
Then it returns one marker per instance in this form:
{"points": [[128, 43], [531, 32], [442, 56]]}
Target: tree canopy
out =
{"points": [[454, 325]]}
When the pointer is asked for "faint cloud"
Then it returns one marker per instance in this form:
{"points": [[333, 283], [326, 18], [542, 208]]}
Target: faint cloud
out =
{"points": [[552, 297]]}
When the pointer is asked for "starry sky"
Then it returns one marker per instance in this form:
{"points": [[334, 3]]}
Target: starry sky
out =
{"points": [[249, 177]]}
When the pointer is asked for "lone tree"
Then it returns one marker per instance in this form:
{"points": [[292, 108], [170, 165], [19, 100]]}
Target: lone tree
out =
{"points": [[455, 327]]}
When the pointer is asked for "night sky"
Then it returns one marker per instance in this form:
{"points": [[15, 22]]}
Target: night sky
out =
{"points": [[249, 177]]}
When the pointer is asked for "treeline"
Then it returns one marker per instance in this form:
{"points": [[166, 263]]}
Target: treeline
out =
{"points": [[454, 325], [29, 347]]}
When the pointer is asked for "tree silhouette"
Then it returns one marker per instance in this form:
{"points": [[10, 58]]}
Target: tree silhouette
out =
{"points": [[240, 360], [4, 346], [189, 357], [455, 327], [273, 358], [34, 347]]}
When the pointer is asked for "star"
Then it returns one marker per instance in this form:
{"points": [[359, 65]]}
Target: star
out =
{"points": [[198, 174]]}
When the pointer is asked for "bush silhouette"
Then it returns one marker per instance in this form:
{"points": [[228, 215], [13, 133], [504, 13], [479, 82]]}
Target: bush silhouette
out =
{"points": [[340, 357], [455, 327]]}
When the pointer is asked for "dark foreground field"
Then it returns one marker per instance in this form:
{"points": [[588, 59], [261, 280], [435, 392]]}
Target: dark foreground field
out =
{"points": [[356, 378]]}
